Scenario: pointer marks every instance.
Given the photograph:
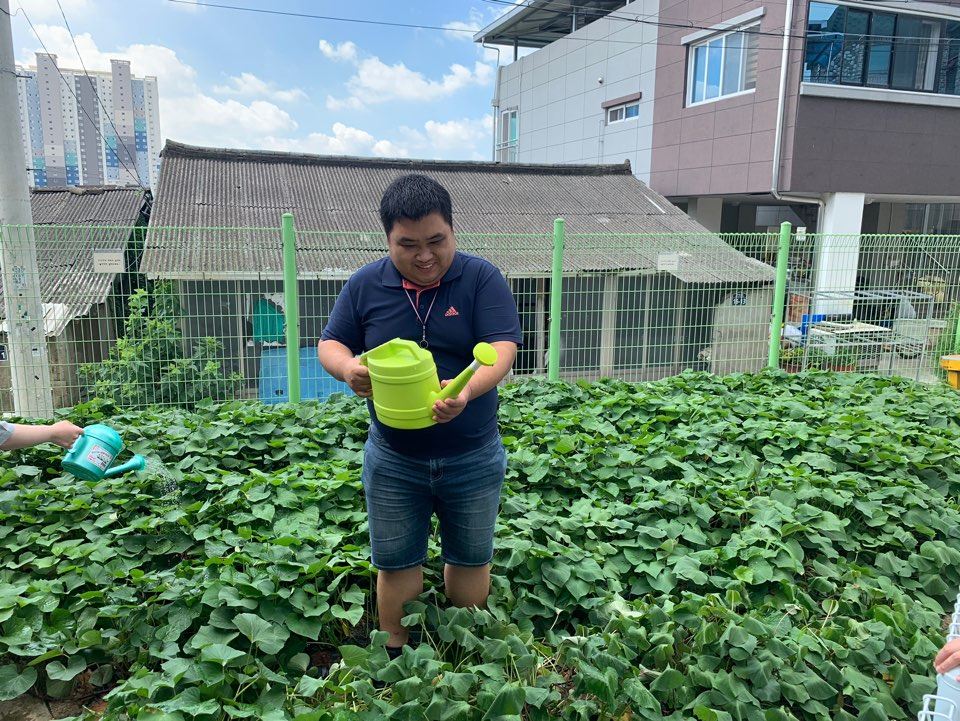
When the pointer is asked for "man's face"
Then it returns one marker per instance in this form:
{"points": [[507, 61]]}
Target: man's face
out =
{"points": [[422, 249]]}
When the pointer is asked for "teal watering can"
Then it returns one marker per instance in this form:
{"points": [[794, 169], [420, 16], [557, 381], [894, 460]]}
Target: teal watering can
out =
{"points": [[92, 455]]}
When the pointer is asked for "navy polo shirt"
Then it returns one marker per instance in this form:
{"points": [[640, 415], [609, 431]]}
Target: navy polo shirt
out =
{"points": [[472, 303]]}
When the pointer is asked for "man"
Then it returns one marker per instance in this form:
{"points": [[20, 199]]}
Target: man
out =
{"points": [[14, 435], [447, 301]]}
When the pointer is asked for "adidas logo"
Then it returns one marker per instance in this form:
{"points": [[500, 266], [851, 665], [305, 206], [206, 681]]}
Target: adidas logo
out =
{"points": [[451, 311]]}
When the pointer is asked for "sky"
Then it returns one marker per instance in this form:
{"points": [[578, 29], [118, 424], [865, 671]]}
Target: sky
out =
{"points": [[236, 79]]}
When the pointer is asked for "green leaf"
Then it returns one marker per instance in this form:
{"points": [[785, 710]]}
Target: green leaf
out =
{"points": [[353, 596], [220, 654], [460, 684], [231, 596], [508, 702], [306, 627], [557, 573], [689, 568], [354, 655], [640, 695], [669, 680], [14, 683], [454, 710], [58, 672], [269, 638], [534, 696], [708, 714], [352, 616]]}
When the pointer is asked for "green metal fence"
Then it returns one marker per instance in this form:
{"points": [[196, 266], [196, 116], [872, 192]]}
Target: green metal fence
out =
{"points": [[171, 316]]}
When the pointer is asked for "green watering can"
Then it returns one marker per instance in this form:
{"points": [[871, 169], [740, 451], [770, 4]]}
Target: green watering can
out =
{"points": [[93, 453], [405, 383]]}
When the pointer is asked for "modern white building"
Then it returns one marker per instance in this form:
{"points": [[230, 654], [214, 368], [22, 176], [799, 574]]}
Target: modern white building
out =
{"points": [[840, 116], [94, 129]]}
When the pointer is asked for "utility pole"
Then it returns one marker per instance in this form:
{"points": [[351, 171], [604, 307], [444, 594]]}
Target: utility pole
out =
{"points": [[29, 363]]}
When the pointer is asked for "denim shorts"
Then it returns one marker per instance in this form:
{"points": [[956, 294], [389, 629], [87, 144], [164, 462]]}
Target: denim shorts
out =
{"points": [[403, 493]]}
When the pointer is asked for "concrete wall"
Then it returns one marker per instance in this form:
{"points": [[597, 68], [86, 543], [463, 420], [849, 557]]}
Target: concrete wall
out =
{"points": [[719, 147], [559, 97], [85, 340], [871, 147]]}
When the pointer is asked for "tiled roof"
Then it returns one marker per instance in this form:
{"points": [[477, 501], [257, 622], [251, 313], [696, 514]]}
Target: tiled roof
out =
{"points": [[69, 224], [504, 212]]}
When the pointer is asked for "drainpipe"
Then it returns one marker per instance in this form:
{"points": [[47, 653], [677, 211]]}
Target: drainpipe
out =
{"points": [[495, 102], [778, 135]]}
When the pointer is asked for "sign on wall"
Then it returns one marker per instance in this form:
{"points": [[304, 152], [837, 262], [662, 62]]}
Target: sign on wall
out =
{"points": [[108, 261], [668, 262]]}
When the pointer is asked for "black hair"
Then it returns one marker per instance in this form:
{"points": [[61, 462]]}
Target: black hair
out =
{"points": [[412, 197]]}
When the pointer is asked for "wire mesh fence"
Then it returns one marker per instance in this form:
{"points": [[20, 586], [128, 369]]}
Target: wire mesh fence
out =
{"points": [[885, 304], [171, 316]]}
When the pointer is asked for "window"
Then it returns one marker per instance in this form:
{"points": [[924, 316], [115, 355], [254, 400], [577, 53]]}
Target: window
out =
{"points": [[724, 65], [854, 46], [619, 113], [508, 134]]}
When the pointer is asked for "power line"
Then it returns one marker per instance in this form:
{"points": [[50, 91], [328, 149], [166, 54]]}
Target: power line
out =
{"points": [[67, 84], [287, 13], [636, 20], [364, 21], [130, 156]]}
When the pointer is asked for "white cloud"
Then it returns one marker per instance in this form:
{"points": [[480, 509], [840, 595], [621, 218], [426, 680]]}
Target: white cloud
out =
{"points": [[461, 29], [189, 6], [44, 10], [173, 75], [186, 112], [453, 135], [245, 114], [344, 103], [376, 82], [346, 51], [477, 19], [248, 85], [468, 138], [344, 140], [204, 120]]}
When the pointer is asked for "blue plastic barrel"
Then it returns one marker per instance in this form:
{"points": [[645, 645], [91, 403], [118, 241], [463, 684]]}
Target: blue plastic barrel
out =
{"points": [[315, 382]]}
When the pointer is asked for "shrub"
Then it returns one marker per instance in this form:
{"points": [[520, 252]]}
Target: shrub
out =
{"points": [[148, 365]]}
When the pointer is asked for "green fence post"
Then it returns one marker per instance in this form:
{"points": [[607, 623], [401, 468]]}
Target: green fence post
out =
{"points": [[556, 293], [291, 304], [779, 293]]}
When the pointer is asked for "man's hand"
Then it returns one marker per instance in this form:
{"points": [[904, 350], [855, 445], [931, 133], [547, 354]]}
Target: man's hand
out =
{"points": [[64, 433], [447, 409], [949, 658], [357, 376]]}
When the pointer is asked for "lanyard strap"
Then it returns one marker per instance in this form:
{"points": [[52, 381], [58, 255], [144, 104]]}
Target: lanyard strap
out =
{"points": [[423, 321]]}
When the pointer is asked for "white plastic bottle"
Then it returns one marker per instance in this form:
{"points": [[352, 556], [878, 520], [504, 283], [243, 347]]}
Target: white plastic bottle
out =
{"points": [[947, 700]]}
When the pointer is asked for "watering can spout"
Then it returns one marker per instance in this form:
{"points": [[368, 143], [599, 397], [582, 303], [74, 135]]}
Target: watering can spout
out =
{"points": [[137, 463], [484, 354]]}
